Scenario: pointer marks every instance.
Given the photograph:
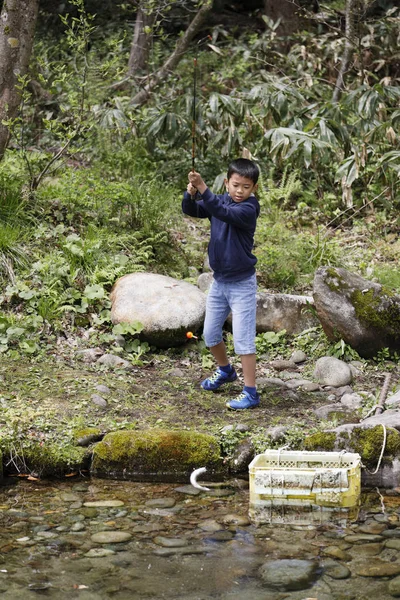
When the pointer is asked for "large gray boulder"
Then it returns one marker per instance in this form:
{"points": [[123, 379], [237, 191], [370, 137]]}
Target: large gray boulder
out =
{"points": [[167, 308], [284, 311], [364, 314]]}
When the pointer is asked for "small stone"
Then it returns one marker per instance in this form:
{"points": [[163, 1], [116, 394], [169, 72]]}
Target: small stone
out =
{"points": [[372, 527], [98, 400], [378, 568], [391, 533], [103, 389], [99, 552], [209, 525], [289, 574], [181, 551], [337, 571], [293, 384], [89, 355], [368, 549], [277, 433], [298, 356], [240, 520], [176, 373], [242, 427], [188, 489], [170, 542], [351, 401], [104, 504], [283, 365], [114, 361], [362, 538], [111, 537], [67, 497], [161, 503], [310, 387], [336, 552], [394, 587], [221, 536]]}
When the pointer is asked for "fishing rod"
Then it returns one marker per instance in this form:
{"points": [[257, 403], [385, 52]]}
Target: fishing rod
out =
{"points": [[194, 114]]}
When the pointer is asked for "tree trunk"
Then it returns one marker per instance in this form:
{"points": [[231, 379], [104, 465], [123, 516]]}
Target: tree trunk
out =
{"points": [[288, 11], [141, 42], [180, 49], [18, 21], [348, 48]]}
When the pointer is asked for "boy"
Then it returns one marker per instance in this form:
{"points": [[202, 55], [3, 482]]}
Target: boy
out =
{"points": [[233, 217]]}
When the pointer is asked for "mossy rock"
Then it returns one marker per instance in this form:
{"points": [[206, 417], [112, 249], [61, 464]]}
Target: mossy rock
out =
{"points": [[50, 460], [369, 442], [323, 441], [1, 467], [87, 436], [365, 314], [157, 455]]}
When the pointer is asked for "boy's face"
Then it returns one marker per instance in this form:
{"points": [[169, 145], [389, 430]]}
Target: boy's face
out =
{"points": [[239, 188]]}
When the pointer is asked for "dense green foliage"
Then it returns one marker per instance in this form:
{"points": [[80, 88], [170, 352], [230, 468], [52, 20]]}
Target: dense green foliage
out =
{"points": [[90, 186]]}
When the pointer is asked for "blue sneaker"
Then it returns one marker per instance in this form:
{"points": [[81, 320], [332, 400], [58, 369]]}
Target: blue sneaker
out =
{"points": [[244, 400], [219, 378]]}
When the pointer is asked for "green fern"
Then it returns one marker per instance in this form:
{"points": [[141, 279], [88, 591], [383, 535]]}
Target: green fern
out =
{"points": [[289, 187]]}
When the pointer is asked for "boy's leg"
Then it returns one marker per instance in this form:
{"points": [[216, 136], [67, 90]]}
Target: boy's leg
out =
{"points": [[244, 305], [217, 310], [220, 355], [249, 369]]}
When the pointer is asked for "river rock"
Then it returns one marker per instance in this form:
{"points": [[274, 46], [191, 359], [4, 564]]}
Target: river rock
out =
{"points": [[336, 570], [393, 544], [161, 503], [115, 362], [394, 587], [165, 307], [98, 400], [99, 553], [242, 457], [103, 389], [364, 314], [104, 504], [111, 537], [170, 542], [332, 371], [298, 356], [289, 574], [378, 568]]}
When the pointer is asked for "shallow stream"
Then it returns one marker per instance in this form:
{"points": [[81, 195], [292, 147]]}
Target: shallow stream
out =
{"points": [[96, 539]]}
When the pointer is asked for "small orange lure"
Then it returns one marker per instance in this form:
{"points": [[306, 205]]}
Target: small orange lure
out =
{"points": [[190, 336]]}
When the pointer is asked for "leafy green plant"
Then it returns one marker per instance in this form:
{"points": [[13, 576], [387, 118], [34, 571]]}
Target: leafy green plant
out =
{"points": [[271, 341]]}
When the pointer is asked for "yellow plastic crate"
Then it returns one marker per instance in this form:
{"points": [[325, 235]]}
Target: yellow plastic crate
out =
{"points": [[331, 479]]}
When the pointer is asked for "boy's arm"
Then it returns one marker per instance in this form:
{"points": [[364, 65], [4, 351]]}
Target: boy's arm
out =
{"points": [[241, 214], [194, 207]]}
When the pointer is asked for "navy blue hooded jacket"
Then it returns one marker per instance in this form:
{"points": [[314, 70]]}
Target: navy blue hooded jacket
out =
{"points": [[232, 232]]}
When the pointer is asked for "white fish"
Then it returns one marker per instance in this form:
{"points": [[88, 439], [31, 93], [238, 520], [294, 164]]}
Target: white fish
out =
{"points": [[195, 475]]}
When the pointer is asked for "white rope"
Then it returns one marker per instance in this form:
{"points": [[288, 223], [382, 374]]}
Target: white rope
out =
{"points": [[279, 452], [371, 410], [382, 452]]}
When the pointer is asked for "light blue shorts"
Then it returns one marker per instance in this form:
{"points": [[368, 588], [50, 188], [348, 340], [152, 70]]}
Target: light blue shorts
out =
{"points": [[238, 297]]}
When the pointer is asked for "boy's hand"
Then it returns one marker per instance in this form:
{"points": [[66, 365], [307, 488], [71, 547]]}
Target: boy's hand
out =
{"points": [[196, 180], [191, 189]]}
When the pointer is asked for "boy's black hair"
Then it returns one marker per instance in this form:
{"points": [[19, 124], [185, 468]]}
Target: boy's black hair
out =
{"points": [[245, 168]]}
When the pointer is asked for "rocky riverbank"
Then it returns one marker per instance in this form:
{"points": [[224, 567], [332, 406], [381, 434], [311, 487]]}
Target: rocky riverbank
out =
{"points": [[59, 411]]}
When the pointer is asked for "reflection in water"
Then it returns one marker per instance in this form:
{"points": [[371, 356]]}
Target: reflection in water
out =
{"points": [[98, 540], [300, 513]]}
